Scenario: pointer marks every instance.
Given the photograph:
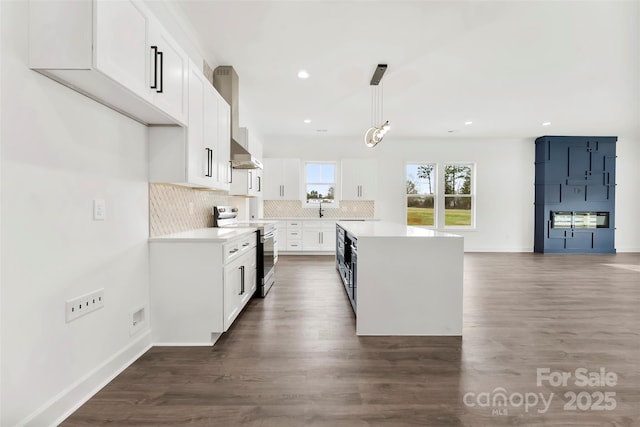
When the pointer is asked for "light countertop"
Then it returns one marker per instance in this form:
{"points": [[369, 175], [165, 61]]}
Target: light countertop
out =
{"points": [[210, 234], [389, 229], [318, 219]]}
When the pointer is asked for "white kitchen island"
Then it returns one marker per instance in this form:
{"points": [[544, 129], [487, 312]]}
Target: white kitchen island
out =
{"points": [[409, 279]]}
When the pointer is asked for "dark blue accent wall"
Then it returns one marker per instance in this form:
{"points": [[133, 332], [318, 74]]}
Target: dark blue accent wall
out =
{"points": [[575, 194]]}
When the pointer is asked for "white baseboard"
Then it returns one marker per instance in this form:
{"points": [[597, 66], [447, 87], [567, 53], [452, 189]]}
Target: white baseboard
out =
{"points": [[70, 399], [502, 250], [628, 250]]}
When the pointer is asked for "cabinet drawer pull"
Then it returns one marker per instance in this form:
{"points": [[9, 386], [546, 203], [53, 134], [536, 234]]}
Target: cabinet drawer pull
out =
{"points": [[161, 74], [154, 52], [233, 251], [245, 244], [241, 280], [209, 162]]}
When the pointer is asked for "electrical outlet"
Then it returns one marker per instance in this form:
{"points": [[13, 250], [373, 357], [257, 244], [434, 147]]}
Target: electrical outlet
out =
{"points": [[137, 320], [84, 304]]}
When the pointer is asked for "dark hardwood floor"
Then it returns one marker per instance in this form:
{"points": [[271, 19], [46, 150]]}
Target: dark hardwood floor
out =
{"points": [[293, 359]]}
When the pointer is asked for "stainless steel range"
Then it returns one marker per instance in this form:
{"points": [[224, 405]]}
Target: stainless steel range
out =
{"points": [[227, 216]]}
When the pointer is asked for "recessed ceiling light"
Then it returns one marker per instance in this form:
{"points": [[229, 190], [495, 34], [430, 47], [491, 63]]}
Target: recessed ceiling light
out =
{"points": [[322, 130], [303, 74], [307, 120], [468, 123], [546, 123], [450, 131]]}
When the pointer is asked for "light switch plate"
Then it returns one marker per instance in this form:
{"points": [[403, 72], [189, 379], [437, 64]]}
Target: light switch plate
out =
{"points": [[99, 210]]}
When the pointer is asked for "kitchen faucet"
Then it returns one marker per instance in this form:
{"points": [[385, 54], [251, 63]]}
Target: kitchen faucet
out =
{"points": [[321, 209]]}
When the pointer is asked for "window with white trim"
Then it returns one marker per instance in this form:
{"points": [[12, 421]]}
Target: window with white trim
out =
{"points": [[440, 195], [320, 182], [458, 195], [421, 194]]}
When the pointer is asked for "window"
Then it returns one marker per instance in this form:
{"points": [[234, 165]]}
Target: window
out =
{"points": [[320, 182], [458, 195], [421, 200]]}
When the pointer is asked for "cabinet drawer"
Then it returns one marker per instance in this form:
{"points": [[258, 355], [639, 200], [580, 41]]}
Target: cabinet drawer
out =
{"points": [[294, 234], [294, 246], [235, 248]]}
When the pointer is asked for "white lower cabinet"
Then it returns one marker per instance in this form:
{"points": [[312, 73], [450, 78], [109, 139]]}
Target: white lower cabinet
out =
{"points": [[307, 236], [239, 285], [294, 236], [319, 236], [198, 288]]}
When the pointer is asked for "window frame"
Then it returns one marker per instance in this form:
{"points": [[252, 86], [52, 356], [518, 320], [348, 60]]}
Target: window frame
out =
{"points": [[313, 205], [471, 195], [439, 196], [435, 193]]}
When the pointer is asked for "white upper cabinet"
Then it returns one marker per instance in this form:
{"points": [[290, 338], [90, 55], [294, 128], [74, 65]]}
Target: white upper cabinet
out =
{"points": [[359, 179], [167, 68], [224, 143], [192, 156], [199, 144], [246, 182], [121, 43], [281, 179], [102, 49]]}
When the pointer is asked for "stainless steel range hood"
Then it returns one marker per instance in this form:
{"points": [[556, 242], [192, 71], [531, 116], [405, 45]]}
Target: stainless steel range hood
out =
{"points": [[225, 80]]}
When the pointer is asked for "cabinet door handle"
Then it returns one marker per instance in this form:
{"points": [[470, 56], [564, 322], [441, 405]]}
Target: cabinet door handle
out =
{"points": [[250, 180], [161, 74], [259, 183], [154, 53], [241, 280], [230, 172], [209, 162]]}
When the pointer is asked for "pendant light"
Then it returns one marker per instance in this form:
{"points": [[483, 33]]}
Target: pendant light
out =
{"points": [[376, 132]]}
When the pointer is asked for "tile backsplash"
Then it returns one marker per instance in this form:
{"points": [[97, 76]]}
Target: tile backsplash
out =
{"points": [[173, 208], [294, 209]]}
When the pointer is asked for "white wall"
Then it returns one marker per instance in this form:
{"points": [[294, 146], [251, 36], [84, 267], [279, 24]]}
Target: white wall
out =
{"points": [[628, 194], [504, 182], [60, 150]]}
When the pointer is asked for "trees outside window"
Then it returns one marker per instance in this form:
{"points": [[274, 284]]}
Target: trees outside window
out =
{"points": [[421, 201], [440, 197], [458, 197], [320, 182]]}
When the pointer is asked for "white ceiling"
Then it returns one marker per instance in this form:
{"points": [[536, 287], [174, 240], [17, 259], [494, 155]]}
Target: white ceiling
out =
{"points": [[507, 66]]}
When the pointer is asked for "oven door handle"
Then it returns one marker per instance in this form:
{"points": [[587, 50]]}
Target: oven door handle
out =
{"points": [[269, 235]]}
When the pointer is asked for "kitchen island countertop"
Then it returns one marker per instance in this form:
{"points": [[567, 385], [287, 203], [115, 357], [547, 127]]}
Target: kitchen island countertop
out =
{"points": [[389, 229], [210, 234]]}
